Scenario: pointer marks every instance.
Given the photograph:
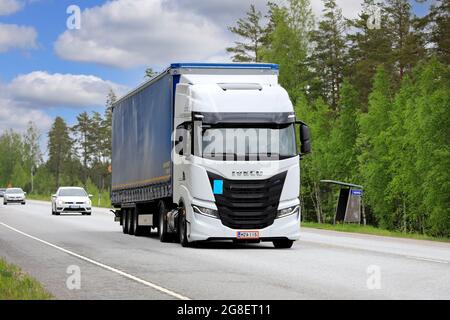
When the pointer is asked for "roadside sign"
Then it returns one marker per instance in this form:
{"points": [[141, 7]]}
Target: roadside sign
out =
{"points": [[357, 192]]}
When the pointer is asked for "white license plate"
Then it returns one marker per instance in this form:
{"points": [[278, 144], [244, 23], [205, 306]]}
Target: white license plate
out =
{"points": [[74, 207], [247, 234]]}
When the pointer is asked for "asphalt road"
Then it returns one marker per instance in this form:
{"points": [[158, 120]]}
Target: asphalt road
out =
{"points": [[322, 265]]}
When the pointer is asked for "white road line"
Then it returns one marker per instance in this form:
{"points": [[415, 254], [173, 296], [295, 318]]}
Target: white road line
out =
{"points": [[104, 266], [427, 259]]}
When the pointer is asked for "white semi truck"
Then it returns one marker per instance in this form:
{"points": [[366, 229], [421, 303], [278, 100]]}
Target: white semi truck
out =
{"points": [[209, 152]]}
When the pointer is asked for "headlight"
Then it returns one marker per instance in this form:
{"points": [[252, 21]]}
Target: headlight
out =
{"points": [[287, 211], [206, 212], [60, 202]]}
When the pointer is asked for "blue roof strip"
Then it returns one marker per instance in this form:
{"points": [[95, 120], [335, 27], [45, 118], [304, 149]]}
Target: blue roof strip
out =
{"points": [[270, 66]]}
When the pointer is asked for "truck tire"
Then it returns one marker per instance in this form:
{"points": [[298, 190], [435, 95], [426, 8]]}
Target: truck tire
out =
{"points": [[182, 228], [130, 221], [139, 230], [283, 243], [124, 221], [163, 234]]}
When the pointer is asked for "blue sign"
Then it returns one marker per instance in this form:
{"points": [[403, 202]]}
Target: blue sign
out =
{"points": [[357, 192], [218, 187]]}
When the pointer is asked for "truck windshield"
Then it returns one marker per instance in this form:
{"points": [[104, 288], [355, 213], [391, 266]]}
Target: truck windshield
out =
{"points": [[248, 143]]}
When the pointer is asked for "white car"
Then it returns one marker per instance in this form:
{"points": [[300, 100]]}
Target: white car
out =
{"points": [[71, 199], [14, 195]]}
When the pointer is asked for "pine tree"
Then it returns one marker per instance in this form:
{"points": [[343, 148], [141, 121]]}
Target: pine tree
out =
{"points": [[107, 125], [253, 34], [407, 48], [369, 47], [85, 139], [436, 28], [60, 148], [329, 53]]}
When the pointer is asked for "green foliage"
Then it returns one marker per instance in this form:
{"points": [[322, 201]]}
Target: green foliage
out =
{"points": [[377, 106], [329, 55], [288, 45], [15, 285], [344, 135], [372, 142], [60, 149], [254, 34]]}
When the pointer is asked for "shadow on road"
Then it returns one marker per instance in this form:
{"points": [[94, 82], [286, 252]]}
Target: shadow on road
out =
{"points": [[221, 244]]}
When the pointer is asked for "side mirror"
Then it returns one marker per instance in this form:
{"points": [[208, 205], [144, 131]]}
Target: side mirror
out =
{"points": [[90, 195], [305, 139], [24, 193], [53, 196]]}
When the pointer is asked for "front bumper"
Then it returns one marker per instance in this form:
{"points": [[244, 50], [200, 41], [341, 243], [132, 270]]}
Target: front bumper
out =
{"points": [[205, 228], [14, 200], [78, 208]]}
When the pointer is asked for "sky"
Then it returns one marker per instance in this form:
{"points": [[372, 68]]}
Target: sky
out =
{"points": [[48, 69]]}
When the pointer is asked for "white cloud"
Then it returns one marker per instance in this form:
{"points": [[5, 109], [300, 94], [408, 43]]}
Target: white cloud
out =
{"points": [[49, 90], [14, 115], [14, 36], [8, 7], [129, 33]]}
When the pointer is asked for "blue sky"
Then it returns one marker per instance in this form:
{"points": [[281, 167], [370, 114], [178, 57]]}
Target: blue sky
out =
{"points": [[47, 70]]}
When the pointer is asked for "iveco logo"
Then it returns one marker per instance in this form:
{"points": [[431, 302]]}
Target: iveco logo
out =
{"points": [[251, 173]]}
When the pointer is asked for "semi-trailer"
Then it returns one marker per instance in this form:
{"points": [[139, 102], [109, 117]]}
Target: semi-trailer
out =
{"points": [[209, 152]]}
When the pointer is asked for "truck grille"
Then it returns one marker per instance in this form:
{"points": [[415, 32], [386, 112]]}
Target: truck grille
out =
{"points": [[248, 204]]}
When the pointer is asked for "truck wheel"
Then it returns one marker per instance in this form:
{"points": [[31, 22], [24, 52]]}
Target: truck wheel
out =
{"points": [[283, 244], [124, 221], [138, 230], [164, 236], [182, 228], [130, 221]]}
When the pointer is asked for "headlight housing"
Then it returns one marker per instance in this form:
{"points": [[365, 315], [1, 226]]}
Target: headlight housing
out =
{"points": [[60, 202], [206, 211], [287, 211]]}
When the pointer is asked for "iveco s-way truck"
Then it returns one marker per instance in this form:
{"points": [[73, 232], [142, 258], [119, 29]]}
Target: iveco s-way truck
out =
{"points": [[209, 152]]}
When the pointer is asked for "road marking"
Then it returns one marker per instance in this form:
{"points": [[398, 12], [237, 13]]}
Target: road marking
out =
{"points": [[104, 266], [427, 259]]}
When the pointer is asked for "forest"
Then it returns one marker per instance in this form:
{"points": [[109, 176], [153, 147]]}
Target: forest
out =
{"points": [[375, 91]]}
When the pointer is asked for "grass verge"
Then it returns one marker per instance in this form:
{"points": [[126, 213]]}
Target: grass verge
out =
{"points": [[16, 285], [355, 228]]}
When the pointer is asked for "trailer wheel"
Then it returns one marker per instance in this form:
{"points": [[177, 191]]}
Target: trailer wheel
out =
{"points": [[163, 234], [130, 222], [138, 230], [182, 228], [283, 244], [124, 221]]}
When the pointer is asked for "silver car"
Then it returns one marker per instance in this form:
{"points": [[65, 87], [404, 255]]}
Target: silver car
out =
{"points": [[14, 195], [71, 199]]}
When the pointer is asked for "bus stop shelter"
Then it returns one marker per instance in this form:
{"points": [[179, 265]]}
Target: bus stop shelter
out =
{"points": [[350, 202]]}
